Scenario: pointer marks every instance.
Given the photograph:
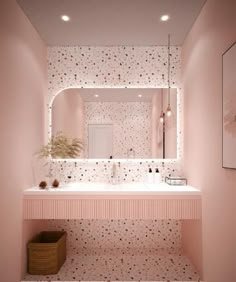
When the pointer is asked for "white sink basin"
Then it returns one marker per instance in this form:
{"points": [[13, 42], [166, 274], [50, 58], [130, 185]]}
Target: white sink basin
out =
{"points": [[86, 186]]}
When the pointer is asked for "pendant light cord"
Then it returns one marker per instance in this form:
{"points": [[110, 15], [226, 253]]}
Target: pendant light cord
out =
{"points": [[161, 100], [168, 69]]}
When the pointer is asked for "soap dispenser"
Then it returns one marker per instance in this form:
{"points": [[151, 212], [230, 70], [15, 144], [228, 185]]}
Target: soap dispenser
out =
{"points": [[150, 176], [157, 176]]}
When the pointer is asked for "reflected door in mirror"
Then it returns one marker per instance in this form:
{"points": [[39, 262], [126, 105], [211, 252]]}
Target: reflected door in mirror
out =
{"points": [[100, 141]]}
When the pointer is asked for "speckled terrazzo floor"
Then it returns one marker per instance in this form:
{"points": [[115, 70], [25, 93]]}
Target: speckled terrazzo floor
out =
{"points": [[114, 265]]}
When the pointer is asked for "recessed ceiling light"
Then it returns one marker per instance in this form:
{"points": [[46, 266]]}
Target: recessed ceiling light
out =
{"points": [[164, 18], [96, 95], [65, 18], [140, 95]]}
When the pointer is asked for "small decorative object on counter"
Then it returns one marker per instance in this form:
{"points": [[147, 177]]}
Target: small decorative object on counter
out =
{"points": [[55, 183], [173, 180], [157, 176], [42, 184]]}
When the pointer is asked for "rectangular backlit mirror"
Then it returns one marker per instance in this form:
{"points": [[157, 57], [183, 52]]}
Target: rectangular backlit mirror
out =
{"points": [[118, 123]]}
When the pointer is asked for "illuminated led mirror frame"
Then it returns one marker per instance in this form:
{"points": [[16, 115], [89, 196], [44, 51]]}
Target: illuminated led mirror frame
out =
{"points": [[178, 128]]}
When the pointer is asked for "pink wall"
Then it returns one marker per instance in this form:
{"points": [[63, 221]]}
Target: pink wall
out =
{"points": [[22, 127], [213, 32], [192, 242]]}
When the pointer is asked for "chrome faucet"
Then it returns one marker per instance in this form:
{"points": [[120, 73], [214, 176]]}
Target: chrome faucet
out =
{"points": [[114, 173]]}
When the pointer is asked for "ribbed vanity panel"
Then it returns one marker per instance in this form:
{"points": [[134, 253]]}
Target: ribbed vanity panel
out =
{"points": [[110, 208]]}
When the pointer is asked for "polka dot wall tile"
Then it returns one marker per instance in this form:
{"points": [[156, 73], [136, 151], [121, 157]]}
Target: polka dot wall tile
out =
{"points": [[123, 235], [100, 171], [111, 67]]}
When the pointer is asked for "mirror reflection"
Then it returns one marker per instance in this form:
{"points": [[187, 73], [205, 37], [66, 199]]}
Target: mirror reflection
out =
{"points": [[118, 123]]}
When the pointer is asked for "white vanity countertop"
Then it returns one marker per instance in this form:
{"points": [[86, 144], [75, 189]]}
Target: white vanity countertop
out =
{"points": [[129, 189]]}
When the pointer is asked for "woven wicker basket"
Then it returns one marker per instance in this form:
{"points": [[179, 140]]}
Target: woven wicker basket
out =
{"points": [[46, 252]]}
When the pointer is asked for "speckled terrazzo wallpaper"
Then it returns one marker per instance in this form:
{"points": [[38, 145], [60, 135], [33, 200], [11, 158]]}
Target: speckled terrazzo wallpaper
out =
{"points": [[100, 67], [103, 235]]}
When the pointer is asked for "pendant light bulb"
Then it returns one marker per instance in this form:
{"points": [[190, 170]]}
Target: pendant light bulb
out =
{"points": [[168, 111], [162, 117]]}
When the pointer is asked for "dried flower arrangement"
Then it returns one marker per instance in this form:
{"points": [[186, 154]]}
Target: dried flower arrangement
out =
{"points": [[60, 146]]}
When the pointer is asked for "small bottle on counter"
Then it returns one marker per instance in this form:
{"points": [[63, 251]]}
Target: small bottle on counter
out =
{"points": [[150, 176], [157, 176]]}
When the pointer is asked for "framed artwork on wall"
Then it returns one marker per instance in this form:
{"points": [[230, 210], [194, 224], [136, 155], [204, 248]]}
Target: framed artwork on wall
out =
{"points": [[229, 108]]}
